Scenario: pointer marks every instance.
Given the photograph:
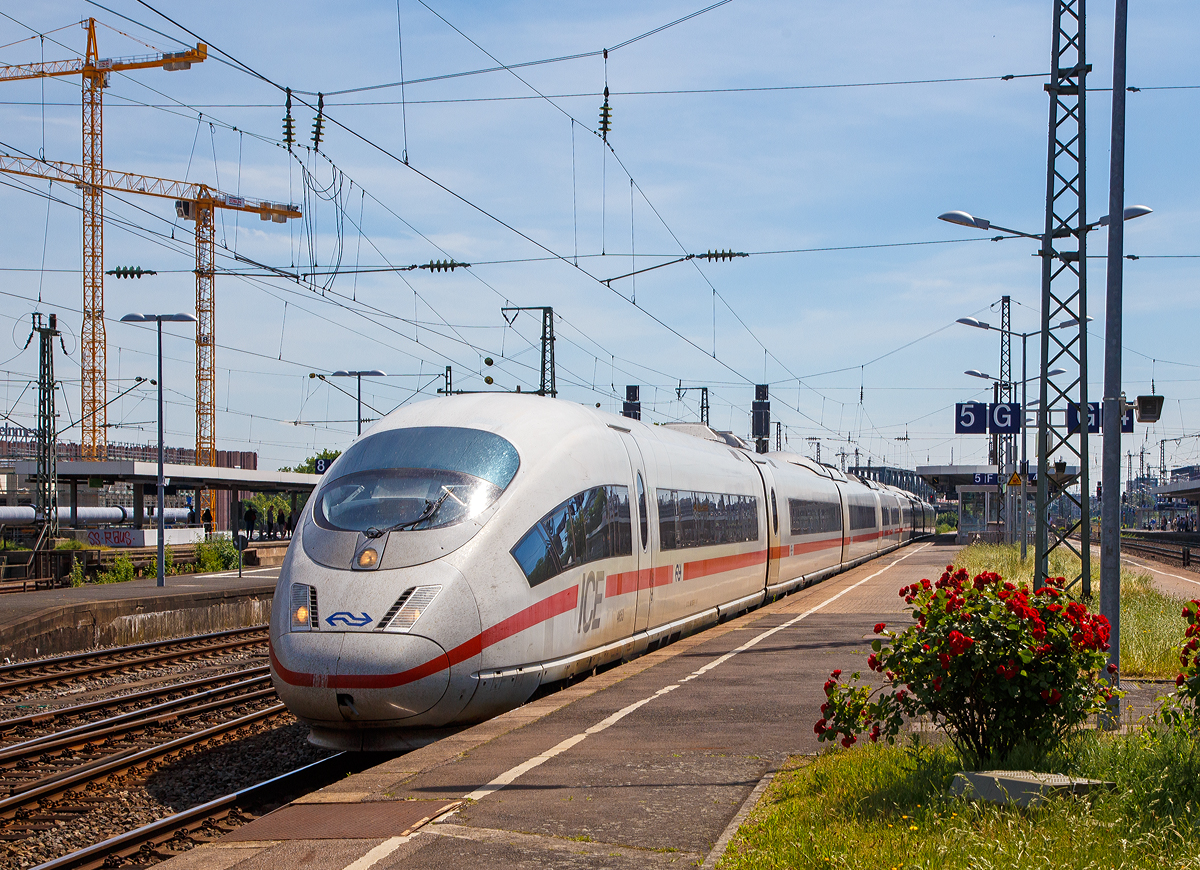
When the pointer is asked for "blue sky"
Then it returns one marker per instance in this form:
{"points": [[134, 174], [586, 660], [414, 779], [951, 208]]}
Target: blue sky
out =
{"points": [[525, 180]]}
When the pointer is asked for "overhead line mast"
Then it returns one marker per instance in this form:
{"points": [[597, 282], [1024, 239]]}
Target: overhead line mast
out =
{"points": [[95, 71]]}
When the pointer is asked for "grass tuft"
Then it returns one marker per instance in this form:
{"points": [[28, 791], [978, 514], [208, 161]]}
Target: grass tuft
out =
{"points": [[881, 806]]}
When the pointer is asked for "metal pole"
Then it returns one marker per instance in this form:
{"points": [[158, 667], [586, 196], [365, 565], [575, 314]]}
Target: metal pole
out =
{"points": [[1024, 446], [161, 526], [1110, 474], [359, 376]]}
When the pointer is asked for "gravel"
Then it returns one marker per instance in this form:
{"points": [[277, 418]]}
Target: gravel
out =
{"points": [[200, 776]]}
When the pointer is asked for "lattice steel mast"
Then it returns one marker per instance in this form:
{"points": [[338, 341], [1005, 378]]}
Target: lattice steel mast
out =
{"points": [[47, 431], [1064, 299]]}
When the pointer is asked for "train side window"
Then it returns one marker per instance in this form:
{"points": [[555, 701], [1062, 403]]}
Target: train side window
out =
{"points": [[774, 512], [593, 525], [668, 503], [643, 519], [533, 554]]}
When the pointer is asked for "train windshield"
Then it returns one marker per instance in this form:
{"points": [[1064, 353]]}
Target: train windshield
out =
{"points": [[421, 478]]}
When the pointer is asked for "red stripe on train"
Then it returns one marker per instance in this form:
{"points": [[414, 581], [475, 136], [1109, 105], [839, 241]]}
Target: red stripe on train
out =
{"points": [[535, 614]]}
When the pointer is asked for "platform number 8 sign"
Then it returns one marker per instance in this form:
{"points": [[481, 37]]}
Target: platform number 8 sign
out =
{"points": [[321, 465]]}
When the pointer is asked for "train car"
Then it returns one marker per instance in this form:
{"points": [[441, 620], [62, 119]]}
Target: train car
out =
{"points": [[468, 551]]}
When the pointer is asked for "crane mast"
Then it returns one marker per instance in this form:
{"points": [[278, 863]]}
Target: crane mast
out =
{"points": [[95, 71]]}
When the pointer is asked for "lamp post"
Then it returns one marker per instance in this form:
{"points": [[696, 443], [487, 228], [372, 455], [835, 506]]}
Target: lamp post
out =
{"points": [[160, 319], [373, 373], [1045, 426]]}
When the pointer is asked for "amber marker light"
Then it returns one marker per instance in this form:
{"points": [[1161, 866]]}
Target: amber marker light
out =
{"points": [[368, 558]]}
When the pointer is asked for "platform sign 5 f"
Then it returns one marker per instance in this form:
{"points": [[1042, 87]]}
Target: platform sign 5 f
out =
{"points": [[970, 418]]}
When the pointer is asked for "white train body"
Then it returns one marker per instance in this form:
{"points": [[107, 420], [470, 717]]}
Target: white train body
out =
{"points": [[542, 540]]}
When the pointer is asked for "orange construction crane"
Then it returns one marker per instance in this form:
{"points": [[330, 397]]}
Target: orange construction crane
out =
{"points": [[95, 71], [195, 202]]}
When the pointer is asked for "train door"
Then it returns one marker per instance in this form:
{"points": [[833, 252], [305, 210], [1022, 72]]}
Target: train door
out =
{"points": [[845, 507], [774, 550], [643, 532]]}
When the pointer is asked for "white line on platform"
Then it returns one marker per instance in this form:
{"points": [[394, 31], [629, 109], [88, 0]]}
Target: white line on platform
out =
{"points": [[1154, 570], [377, 854], [512, 774], [244, 572]]}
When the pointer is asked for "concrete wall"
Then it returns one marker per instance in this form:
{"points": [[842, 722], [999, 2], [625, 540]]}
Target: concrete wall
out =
{"points": [[80, 626]]}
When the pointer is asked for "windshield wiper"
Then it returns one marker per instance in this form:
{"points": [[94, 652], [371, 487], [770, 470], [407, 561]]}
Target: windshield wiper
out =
{"points": [[431, 509]]}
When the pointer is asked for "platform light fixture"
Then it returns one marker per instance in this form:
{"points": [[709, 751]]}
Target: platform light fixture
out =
{"points": [[341, 373], [160, 319]]}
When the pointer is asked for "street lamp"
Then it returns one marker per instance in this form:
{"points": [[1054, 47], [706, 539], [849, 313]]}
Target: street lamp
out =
{"points": [[373, 373], [160, 319]]}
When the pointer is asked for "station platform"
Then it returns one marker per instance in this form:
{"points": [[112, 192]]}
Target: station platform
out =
{"points": [[59, 621], [653, 763]]}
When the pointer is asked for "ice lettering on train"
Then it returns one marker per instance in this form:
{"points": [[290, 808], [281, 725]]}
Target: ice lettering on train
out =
{"points": [[591, 593]]}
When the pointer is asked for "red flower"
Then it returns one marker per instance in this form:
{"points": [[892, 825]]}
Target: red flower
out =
{"points": [[879, 627], [959, 643], [944, 659], [820, 728], [836, 674], [937, 684], [1112, 669], [873, 662], [1179, 680], [1051, 696], [849, 740]]}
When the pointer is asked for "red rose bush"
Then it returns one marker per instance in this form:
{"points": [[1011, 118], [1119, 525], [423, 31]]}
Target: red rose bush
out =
{"points": [[1186, 709], [994, 664]]}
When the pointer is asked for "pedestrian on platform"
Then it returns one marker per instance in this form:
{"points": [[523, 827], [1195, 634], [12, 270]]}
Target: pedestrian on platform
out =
{"points": [[270, 527], [251, 522], [287, 525], [206, 518]]}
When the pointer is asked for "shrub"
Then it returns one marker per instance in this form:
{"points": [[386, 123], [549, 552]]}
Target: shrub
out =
{"points": [[121, 571], [70, 544], [949, 519], [216, 554], [77, 575], [1185, 712], [996, 665]]}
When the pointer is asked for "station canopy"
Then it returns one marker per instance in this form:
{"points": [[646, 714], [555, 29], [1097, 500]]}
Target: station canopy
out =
{"points": [[89, 473]]}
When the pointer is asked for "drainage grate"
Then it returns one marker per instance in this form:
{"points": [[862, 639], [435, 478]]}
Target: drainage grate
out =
{"points": [[355, 821]]}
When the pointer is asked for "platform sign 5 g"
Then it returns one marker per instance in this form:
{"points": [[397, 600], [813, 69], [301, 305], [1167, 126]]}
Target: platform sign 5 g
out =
{"points": [[978, 418]]}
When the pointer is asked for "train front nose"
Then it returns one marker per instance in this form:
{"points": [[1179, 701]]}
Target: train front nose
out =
{"points": [[336, 677]]}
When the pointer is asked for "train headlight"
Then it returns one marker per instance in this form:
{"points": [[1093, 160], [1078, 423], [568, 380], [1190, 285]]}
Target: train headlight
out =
{"points": [[408, 608], [368, 558], [304, 608]]}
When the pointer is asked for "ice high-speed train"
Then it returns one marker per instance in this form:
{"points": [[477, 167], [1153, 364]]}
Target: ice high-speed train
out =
{"points": [[467, 551]]}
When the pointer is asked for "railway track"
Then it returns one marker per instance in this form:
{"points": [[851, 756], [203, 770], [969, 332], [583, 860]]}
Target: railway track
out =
{"points": [[1159, 551], [53, 672], [58, 719], [170, 836], [60, 763]]}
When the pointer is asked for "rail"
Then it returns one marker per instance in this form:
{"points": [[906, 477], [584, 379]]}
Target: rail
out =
{"points": [[1161, 551], [206, 821]]}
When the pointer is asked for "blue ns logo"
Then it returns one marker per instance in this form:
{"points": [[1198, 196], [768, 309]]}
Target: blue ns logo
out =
{"points": [[348, 619]]}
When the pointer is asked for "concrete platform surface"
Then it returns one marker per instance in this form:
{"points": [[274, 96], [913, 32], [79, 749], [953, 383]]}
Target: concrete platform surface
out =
{"points": [[57, 621], [650, 764]]}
